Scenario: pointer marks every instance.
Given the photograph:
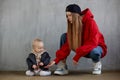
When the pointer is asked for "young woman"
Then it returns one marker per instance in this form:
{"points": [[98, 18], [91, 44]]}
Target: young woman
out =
{"points": [[83, 37]]}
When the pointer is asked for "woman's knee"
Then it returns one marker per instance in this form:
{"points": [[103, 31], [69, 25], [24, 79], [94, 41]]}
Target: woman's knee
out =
{"points": [[63, 36], [97, 50], [95, 54], [62, 39]]}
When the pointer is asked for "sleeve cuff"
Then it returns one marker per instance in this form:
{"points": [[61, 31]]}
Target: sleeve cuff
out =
{"points": [[76, 57], [57, 60]]}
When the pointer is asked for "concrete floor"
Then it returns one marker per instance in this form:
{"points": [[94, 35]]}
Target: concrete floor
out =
{"points": [[73, 75]]}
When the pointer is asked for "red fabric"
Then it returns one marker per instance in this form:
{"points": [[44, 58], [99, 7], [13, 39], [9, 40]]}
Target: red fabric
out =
{"points": [[91, 38], [63, 52]]}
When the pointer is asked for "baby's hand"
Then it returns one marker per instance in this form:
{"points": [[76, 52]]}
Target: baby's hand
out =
{"points": [[41, 64], [34, 66]]}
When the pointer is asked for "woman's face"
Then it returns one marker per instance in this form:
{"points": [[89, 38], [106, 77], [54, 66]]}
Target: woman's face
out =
{"points": [[69, 16]]}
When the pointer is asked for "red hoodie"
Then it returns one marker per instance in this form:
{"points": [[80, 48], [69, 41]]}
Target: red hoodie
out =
{"points": [[91, 38]]}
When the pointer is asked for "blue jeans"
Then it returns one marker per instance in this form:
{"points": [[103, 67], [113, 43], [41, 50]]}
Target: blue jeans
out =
{"points": [[95, 54]]}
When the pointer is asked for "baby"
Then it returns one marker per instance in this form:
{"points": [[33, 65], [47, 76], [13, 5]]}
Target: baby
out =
{"points": [[38, 59]]}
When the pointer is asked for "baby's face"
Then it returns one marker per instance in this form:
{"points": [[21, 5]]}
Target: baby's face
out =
{"points": [[39, 47]]}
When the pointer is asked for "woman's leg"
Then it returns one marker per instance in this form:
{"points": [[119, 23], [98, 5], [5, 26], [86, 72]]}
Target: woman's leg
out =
{"points": [[95, 55], [62, 67], [62, 42]]}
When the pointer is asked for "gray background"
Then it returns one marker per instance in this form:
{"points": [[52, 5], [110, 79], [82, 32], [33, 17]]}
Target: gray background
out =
{"points": [[23, 20]]}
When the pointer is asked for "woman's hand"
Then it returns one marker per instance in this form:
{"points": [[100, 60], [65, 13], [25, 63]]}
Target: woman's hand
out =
{"points": [[50, 64], [75, 63]]}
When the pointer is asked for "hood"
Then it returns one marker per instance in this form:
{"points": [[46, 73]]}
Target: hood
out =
{"points": [[87, 15]]}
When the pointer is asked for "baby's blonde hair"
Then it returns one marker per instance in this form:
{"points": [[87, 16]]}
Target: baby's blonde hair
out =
{"points": [[36, 40]]}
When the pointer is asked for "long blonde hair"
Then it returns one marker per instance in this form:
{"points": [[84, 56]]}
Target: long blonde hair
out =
{"points": [[74, 31]]}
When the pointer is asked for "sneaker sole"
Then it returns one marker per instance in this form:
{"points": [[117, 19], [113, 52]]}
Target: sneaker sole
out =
{"points": [[98, 73], [58, 73]]}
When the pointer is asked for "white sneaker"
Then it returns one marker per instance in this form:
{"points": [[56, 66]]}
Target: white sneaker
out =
{"points": [[61, 70], [37, 72], [45, 73], [29, 73], [97, 68]]}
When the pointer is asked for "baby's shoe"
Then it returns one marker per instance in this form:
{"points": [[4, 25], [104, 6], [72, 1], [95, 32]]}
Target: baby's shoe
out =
{"points": [[37, 71], [30, 73], [45, 73]]}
